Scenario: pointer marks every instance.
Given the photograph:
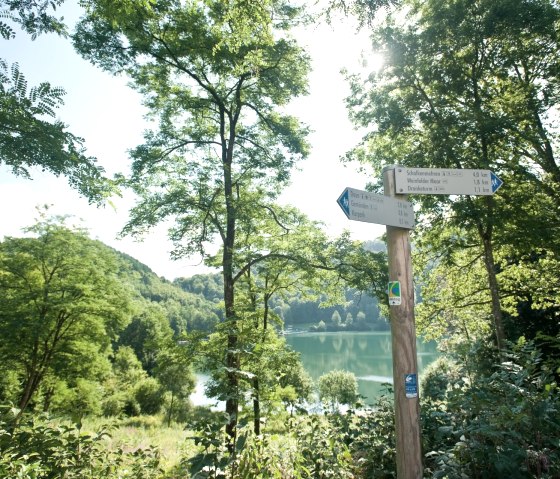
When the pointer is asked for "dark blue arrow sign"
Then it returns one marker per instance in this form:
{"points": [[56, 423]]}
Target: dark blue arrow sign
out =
{"points": [[344, 202], [496, 182]]}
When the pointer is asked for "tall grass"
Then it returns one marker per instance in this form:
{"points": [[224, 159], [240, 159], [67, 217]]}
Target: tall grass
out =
{"points": [[134, 433]]}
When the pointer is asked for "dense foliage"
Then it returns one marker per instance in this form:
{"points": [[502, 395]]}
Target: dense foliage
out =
{"points": [[216, 76], [479, 419], [472, 85], [39, 449], [87, 330], [61, 306]]}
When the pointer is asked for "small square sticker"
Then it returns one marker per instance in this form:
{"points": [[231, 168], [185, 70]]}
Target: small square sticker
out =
{"points": [[394, 293]]}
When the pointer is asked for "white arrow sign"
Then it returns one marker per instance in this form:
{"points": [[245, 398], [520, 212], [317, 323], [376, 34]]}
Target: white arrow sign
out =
{"points": [[369, 207], [444, 181]]}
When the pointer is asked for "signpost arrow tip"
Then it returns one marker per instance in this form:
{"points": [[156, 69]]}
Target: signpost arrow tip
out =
{"points": [[344, 202], [496, 182]]}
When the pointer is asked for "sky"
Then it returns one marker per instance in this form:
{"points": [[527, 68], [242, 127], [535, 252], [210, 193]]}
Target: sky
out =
{"points": [[109, 116]]}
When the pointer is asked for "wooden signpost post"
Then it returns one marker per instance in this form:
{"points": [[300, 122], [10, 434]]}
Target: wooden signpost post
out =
{"points": [[403, 341], [396, 213]]}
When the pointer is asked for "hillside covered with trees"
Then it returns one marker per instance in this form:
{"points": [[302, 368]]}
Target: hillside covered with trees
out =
{"points": [[297, 310], [92, 324]]}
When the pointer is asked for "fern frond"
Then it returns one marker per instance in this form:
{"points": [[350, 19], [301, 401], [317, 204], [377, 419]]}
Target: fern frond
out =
{"points": [[6, 32], [46, 98], [19, 83], [4, 78]]}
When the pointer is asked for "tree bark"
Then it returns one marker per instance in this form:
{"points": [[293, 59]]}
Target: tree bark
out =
{"points": [[256, 408], [232, 357], [170, 410], [494, 291]]}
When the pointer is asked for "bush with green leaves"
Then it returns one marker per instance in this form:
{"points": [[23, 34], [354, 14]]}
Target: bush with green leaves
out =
{"points": [[438, 377], [212, 458], [34, 448], [338, 387], [369, 435], [313, 448], [321, 451], [149, 395], [503, 423]]}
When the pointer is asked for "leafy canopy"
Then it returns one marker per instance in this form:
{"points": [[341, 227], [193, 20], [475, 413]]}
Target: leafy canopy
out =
{"points": [[62, 305]]}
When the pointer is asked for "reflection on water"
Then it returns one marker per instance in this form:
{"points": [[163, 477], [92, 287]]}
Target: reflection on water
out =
{"points": [[376, 379], [367, 355]]}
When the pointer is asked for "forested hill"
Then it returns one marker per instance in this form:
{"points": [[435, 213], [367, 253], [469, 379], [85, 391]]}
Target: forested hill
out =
{"points": [[360, 311], [185, 310]]}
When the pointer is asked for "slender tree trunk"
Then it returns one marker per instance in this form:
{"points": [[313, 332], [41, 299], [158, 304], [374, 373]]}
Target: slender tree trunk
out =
{"points": [[486, 231], [232, 356], [256, 386], [232, 401], [170, 410], [265, 314], [494, 292], [31, 385], [485, 234], [47, 398], [256, 407]]}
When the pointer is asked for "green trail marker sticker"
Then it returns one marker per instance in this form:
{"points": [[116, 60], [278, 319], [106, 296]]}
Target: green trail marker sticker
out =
{"points": [[394, 293]]}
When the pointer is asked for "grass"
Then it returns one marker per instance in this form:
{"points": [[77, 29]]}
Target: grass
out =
{"points": [[142, 432]]}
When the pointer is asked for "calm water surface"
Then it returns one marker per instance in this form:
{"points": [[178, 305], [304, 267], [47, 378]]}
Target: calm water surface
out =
{"points": [[367, 355]]}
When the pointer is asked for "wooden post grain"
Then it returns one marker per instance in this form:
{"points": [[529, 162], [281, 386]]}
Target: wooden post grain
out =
{"points": [[403, 334]]}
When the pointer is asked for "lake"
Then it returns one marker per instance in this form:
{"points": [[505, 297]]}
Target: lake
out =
{"points": [[367, 355]]}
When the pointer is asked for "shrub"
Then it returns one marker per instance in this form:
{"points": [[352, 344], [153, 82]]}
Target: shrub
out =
{"points": [[438, 377], [113, 405], [321, 450], [338, 387], [149, 396], [36, 449], [505, 423], [370, 437]]}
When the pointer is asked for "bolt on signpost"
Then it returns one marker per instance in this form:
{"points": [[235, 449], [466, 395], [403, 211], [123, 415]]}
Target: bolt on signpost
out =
{"points": [[397, 214]]}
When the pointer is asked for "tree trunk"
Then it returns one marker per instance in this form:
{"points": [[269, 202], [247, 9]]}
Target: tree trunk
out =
{"points": [[47, 398], [494, 291], [170, 410], [31, 385], [232, 356], [256, 407], [232, 401], [486, 231]]}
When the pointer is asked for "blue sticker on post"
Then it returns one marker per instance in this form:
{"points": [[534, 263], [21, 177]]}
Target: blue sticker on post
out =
{"points": [[411, 385]]}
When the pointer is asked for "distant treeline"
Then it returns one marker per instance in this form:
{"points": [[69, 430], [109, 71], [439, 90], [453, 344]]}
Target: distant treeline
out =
{"points": [[360, 312]]}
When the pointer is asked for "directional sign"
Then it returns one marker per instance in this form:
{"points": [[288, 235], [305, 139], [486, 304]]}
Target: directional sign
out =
{"points": [[443, 181], [364, 206]]}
